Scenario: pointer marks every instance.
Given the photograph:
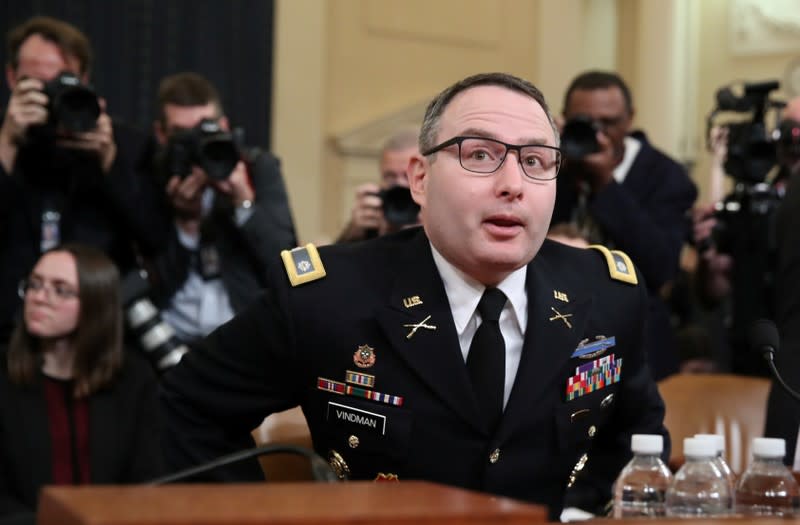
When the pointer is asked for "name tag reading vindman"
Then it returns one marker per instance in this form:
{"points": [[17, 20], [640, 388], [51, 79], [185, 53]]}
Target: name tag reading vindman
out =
{"points": [[351, 416]]}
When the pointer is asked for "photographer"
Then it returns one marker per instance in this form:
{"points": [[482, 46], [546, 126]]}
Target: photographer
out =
{"points": [[736, 236], [622, 192], [230, 209], [67, 172], [381, 209]]}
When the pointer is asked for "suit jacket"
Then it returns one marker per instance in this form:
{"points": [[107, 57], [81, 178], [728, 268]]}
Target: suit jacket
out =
{"points": [[245, 251], [783, 412], [110, 211], [279, 352], [124, 428], [647, 217]]}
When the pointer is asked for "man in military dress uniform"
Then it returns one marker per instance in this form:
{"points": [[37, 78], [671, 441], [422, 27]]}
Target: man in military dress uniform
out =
{"points": [[470, 352]]}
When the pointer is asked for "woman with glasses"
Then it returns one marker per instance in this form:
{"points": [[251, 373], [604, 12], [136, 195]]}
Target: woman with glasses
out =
{"points": [[74, 407]]}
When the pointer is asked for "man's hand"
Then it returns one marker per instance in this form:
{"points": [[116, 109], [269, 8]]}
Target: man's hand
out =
{"points": [[237, 186], [600, 166], [186, 196], [26, 107], [367, 214], [99, 140], [715, 268]]}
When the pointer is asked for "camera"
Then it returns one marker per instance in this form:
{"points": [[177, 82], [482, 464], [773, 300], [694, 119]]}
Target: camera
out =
{"points": [[744, 215], [399, 208], [72, 106], [206, 145], [155, 337], [579, 137]]}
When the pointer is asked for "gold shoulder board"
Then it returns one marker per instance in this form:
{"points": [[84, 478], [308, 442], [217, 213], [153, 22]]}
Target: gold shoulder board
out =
{"points": [[303, 264], [620, 266]]}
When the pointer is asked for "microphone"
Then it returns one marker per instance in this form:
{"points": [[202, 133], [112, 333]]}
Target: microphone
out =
{"points": [[763, 338], [320, 469]]}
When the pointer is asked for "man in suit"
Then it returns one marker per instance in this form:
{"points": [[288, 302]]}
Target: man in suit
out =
{"points": [[469, 352], [227, 226], [630, 196]]}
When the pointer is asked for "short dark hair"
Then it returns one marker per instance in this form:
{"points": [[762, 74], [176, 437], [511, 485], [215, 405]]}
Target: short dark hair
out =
{"points": [[430, 123], [69, 39], [186, 89], [97, 339], [592, 80]]}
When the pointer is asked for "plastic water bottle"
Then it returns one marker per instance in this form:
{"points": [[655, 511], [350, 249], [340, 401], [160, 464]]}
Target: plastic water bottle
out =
{"points": [[640, 488], [719, 442], [767, 487], [699, 487]]}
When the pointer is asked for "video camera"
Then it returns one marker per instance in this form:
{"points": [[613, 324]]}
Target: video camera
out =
{"points": [[744, 215], [72, 106], [206, 145]]}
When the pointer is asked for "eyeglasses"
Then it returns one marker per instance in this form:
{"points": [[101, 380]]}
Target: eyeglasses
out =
{"points": [[56, 292], [485, 156]]}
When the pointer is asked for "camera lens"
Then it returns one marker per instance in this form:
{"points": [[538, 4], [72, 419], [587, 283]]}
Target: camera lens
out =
{"points": [[73, 106], [399, 208], [579, 137]]}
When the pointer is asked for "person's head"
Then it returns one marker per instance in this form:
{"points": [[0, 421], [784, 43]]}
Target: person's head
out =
{"points": [[72, 296], [486, 220], [184, 99], [43, 47], [605, 98], [396, 153]]}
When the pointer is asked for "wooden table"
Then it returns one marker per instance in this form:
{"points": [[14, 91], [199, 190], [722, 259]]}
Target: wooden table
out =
{"points": [[406, 502]]}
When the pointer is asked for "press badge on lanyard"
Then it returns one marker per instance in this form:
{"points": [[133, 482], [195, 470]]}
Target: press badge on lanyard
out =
{"points": [[51, 230]]}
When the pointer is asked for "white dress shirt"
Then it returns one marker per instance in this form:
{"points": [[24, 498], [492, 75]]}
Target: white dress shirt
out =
{"points": [[464, 293]]}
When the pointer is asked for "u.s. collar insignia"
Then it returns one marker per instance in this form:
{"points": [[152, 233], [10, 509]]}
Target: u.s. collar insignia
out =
{"points": [[414, 300], [364, 357], [303, 264], [619, 264], [561, 296], [590, 350], [381, 477]]}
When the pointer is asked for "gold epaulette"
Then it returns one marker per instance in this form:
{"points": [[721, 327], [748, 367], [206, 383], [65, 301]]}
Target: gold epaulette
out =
{"points": [[620, 266], [303, 264]]}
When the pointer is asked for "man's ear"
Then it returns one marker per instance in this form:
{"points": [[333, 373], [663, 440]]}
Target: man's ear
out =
{"points": [[159, 132], [418, 178], [11, 77]]}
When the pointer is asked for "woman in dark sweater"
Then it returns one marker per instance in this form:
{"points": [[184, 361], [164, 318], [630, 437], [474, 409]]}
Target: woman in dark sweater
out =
{"points": [[74, 407]]}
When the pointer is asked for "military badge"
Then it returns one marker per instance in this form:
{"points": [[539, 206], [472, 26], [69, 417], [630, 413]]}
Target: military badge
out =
{"points": [[559, 315], [414, 300], [303, 264], [364, 357], [416, 326], [590, 350], [381, 477], [620, 266], [594, 375]]}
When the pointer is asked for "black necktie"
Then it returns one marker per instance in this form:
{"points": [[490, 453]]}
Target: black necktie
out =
{"points": [[486, 361]]}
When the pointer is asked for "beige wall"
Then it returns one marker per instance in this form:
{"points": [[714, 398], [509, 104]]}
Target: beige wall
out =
{"points": [[347, 72]]}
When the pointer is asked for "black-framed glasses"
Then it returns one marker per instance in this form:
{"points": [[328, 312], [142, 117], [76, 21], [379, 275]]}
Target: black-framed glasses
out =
{"points": [[484, 155], [55, 291]]}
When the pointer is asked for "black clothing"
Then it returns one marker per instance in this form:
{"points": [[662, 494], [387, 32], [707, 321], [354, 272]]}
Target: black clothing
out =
{"points": [[296, 345]]}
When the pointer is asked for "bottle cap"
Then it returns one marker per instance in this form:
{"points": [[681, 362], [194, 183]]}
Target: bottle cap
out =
{"points": [[769, 447], [718, 440], [699, 447], [647, 443]]}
